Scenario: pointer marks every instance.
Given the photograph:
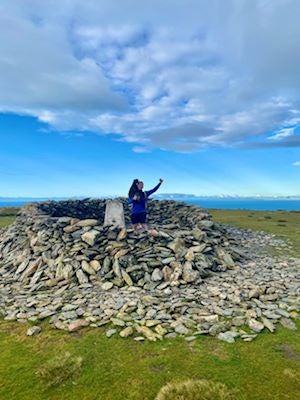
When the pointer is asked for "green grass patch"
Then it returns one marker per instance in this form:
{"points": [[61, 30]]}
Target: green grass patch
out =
{"points": [[5, 221], [59, 370], [193, 389], [7, 215], [9, 211], [117, 369], [284, 224]]}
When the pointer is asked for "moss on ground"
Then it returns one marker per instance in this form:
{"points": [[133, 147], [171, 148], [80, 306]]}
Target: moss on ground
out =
{"points": [[113, 369]]}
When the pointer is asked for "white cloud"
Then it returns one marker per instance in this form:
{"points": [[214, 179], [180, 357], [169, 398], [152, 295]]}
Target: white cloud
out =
{"points": [[282, 134], [164, 74], [296, 164], [40, 75], [140, 149]]}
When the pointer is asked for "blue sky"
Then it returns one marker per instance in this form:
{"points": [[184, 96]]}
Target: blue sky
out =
{"points": [[38, 162], [95, 95]]}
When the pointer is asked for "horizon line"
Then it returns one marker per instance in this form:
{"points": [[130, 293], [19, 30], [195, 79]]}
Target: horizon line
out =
{"points": [[220, 196]]}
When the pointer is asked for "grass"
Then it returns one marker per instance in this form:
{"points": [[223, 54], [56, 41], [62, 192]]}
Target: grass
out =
{"points": [[9, 211], [7, 215], [88, 366], [59, 370], [285, 224], [193, 389], [4, 221], [118, 369]]}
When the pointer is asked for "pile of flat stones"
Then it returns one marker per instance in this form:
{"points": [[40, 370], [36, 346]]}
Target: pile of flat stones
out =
{"points": [[185, 276]]}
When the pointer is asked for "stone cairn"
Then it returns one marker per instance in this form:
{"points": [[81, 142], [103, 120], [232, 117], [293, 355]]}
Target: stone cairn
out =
{"points": [[58, 243], [59, 260]]}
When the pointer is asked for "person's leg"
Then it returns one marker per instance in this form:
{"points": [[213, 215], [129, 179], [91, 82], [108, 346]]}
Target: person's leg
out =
{"points": [[136, 222], [144, 221], [140, 219]]}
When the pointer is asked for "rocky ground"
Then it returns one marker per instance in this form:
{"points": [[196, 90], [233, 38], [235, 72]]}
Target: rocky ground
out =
{"points": [[187, 277]]}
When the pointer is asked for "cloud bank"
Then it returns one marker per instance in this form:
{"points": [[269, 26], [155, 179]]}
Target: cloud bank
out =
{"points": [[181, 76]]}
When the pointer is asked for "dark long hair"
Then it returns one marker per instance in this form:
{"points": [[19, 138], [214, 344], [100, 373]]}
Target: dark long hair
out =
{"points": [[133, 189]]}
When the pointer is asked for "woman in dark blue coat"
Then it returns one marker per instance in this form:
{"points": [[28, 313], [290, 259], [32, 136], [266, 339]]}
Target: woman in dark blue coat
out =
{"points": [[138, 200]]}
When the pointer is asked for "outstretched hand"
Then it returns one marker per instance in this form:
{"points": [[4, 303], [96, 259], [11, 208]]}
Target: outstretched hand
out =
{"points": [[161, 180]]}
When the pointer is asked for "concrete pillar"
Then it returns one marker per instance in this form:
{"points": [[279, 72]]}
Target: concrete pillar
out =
{"points": [[114, 214]]}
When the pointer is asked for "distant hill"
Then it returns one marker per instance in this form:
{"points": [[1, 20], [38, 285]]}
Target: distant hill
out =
{"points": [[183, 196]]}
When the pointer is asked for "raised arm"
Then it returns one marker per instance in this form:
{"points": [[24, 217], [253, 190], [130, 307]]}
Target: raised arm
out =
{"points": [[149, 192]]}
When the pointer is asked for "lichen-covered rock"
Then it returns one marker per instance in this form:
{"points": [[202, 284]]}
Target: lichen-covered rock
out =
{"points": [[81, 276], [90, 237], [78, 324], [87, 268], [188, 273], [128, 331], [255, 325], [33, 330]]}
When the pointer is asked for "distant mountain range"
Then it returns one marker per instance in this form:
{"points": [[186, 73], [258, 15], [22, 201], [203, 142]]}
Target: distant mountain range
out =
{"points": [[181, 196], [166, 196]]}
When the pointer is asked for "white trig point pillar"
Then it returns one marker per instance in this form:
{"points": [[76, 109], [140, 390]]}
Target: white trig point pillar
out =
{"points": [[114, 214]]}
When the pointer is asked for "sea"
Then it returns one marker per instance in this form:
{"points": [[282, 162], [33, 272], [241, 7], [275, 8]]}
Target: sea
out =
{"points": [[229, 204], [249, 204]]}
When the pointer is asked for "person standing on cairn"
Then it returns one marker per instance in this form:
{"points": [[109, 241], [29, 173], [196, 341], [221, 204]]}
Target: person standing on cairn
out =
{"points": [[137, 198]]}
